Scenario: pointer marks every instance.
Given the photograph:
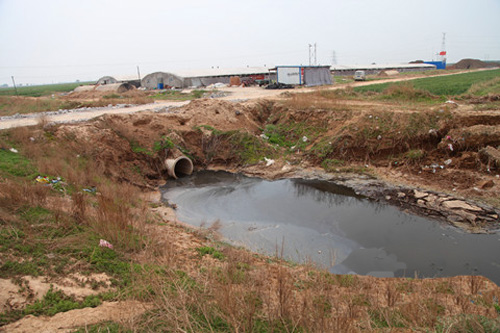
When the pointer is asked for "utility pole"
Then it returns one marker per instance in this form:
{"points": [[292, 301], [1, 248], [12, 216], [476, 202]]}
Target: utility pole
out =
{"points": [[334, 58], [15, 88], [315, 60], [138, 73], [310, 54]]}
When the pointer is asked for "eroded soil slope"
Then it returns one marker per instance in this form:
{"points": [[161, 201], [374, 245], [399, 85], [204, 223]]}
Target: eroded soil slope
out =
{"points": [[440, 149]]}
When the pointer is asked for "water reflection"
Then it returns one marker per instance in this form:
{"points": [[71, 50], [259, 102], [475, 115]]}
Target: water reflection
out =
{"points": [[324, 192]]}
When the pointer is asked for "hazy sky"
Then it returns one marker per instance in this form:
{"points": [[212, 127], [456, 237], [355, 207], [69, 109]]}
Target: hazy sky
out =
{"points": [[45, 41]]}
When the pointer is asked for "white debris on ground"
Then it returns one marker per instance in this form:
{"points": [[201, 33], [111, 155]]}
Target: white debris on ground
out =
{"points": [[268, 161]]}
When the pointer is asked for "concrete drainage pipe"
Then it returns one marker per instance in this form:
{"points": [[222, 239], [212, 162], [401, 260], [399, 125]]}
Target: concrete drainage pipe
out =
{"points": [[178, 167]]}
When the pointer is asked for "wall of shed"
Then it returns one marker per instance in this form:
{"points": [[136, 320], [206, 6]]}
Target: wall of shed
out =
{"points": [[317, 76], [151, 81], [115, 87], [350, 72], [107, 80]]}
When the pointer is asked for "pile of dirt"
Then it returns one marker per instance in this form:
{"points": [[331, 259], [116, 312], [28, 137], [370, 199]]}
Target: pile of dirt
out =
{"points": [[471, 64], [388, 73], [93, 94]]}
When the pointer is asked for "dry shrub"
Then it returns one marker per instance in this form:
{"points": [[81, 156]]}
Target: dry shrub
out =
{"points": [[406, 92], [42, 120], [116, 217], [17, 194], [21, 134], [316, 100], [79, 207]]}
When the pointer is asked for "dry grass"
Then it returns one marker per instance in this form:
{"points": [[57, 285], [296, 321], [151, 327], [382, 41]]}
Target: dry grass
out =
{"points": [[318, 100], [236, 291], [10, 105]]}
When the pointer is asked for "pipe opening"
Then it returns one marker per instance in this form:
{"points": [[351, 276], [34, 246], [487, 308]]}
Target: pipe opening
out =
{"points": [[179, 167]]}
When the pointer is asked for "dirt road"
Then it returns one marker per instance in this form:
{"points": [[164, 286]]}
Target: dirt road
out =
{"points": [[235, 94]]}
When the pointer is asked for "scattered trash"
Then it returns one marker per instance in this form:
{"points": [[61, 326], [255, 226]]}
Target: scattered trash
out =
{"points": [[56, 180], [451, 102], [450, 146], [217, 85], [263, 136], [279, 86], [304, 138], [42, 180], [379, 137], [268, 161], [448, 162], [57, 183], [32, 139], [92, 190], [14, 150], [105, 243]]}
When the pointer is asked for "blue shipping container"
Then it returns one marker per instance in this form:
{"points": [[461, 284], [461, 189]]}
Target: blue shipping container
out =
{"points": [[438, 64]]}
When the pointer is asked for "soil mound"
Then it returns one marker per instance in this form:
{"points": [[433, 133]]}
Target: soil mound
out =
{"points": [[471, 64]]}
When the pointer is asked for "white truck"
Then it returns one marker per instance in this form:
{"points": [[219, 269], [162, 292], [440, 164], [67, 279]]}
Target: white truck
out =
{"points": [[359, 76]]}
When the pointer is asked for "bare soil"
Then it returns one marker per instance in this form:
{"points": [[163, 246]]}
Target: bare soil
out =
{"points": [[458, 185]]}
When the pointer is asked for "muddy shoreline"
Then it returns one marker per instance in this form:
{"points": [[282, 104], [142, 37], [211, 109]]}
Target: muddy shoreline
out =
{"points": [[467, 215]]}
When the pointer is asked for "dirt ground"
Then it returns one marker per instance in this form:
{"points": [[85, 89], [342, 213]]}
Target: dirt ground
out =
{"points": [[459, 185]]}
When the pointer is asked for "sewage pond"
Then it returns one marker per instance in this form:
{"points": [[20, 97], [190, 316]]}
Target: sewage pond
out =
{"points": [[319, 221]]}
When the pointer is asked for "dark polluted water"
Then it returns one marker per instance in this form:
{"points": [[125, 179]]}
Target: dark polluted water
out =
{"points": [[319, 221]]}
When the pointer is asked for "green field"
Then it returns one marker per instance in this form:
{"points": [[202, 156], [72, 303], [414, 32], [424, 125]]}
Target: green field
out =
{"points": [[41, 90], [479, 83]]}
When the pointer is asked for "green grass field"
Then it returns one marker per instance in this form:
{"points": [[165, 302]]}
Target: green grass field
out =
{"points": [[450, 85], [41, 90]]}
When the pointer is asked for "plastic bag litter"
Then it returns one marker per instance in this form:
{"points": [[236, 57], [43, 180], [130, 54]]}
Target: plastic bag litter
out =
{"points": [[14, 150], [268, 161], [105, 243], [42, 180], [92, 190]]}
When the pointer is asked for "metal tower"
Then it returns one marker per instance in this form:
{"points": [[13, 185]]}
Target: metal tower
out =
{"points": [[443, 48]]}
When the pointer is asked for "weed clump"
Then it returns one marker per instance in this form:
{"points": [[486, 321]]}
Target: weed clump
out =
{"points": [[406, 92]]}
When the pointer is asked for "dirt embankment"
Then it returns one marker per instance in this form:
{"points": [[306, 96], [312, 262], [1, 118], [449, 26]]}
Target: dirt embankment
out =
{"points": [[400, 155], [441, 160]]}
